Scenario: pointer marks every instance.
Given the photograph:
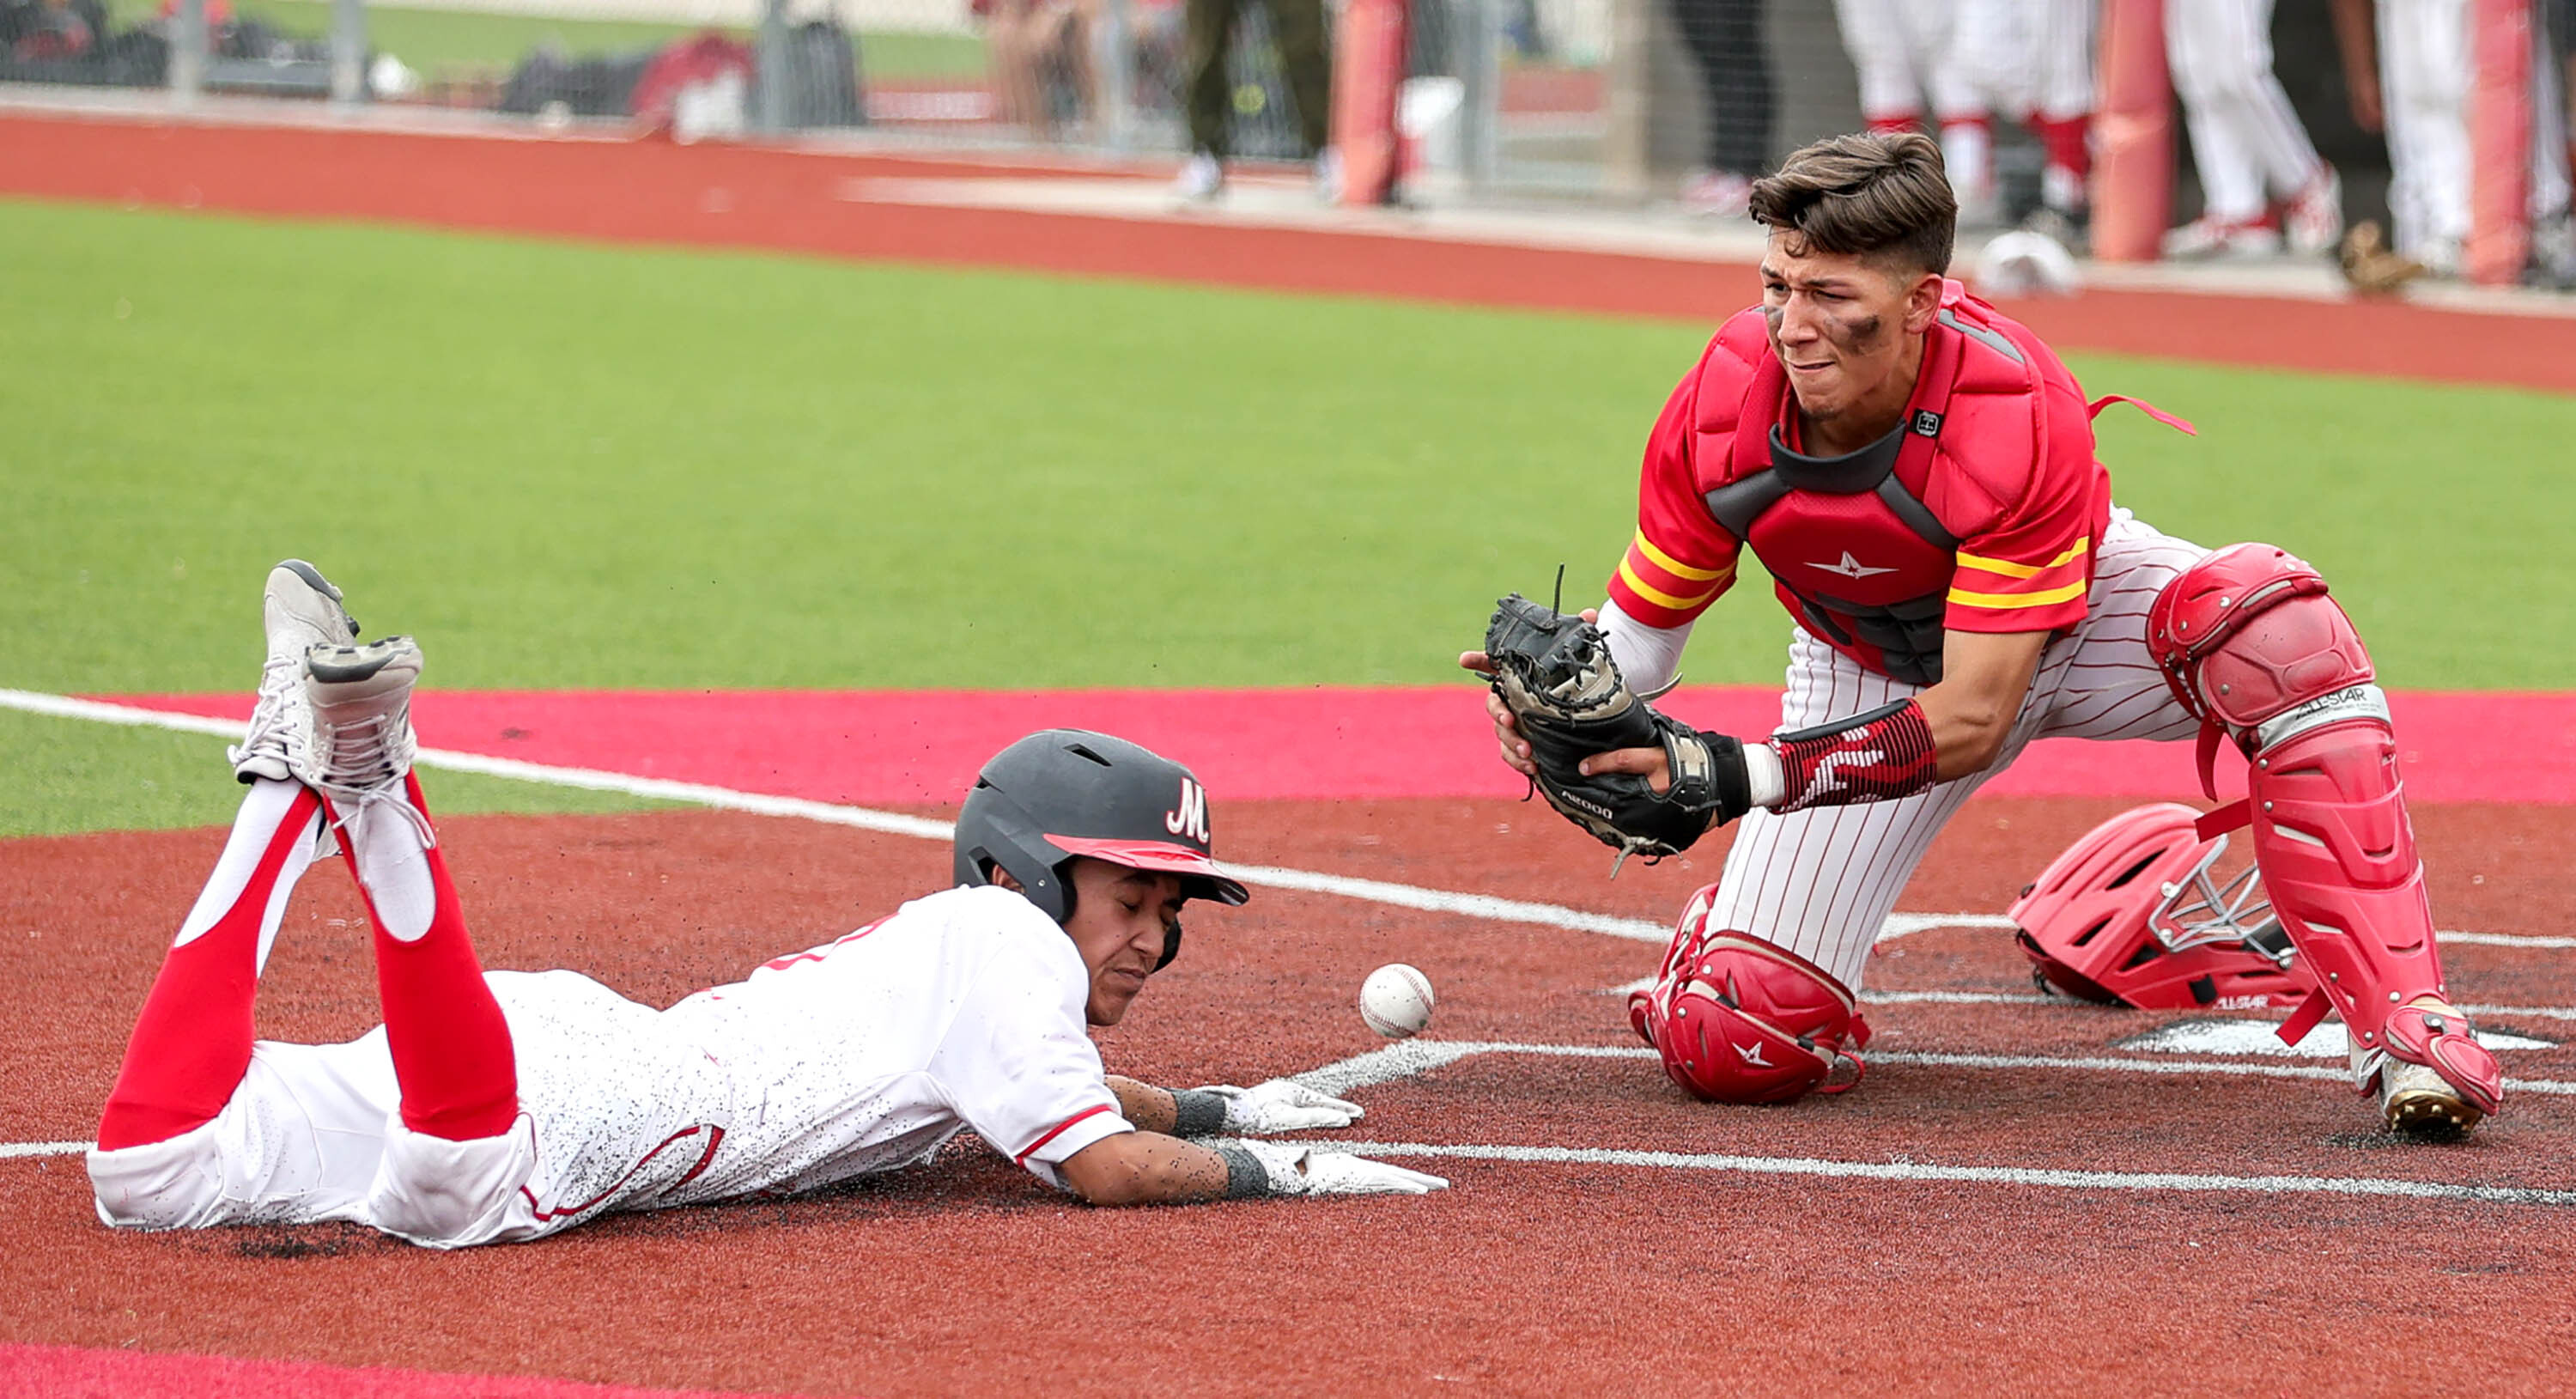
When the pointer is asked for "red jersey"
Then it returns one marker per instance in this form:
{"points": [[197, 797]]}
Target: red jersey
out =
{"points": [[1979, 512]]}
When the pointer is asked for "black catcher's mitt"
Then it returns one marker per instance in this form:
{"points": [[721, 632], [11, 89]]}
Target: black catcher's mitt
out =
{"points": [[1555, 674]]}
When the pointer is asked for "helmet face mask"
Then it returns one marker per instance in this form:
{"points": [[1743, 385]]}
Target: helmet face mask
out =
{"points": [[1062, 794]]}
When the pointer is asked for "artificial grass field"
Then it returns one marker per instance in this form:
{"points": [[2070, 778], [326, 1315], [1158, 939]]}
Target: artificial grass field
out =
{"points": [[567, 466]]}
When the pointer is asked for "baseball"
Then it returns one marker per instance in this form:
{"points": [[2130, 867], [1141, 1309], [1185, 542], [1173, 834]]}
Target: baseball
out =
{"points": [[1396, 1001]]}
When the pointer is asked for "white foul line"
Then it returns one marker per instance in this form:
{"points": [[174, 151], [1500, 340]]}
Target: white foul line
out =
{"points": [[12, 1149], [1411, 1058], [1979, 1175]]}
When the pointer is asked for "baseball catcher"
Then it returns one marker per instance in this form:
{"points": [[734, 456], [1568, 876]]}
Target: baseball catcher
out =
{"points": [[1915, 471]]}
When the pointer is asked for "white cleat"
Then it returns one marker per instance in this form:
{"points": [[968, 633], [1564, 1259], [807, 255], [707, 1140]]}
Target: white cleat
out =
{"points": [[2207, 239], [362, 745], [301, 610], [2314, 218], [1202, 178]]}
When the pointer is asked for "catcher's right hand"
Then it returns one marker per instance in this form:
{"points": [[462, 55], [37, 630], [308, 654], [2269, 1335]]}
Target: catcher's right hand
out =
{"points": [[1555, 677]]}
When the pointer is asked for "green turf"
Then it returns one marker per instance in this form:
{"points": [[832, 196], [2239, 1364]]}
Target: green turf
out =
{"points": [[566, 466], [432, 40], [69, 775]]}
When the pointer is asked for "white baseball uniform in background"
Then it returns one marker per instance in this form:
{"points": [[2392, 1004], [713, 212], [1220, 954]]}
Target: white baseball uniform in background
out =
{"points": [[1821, 882], [961, 1010], [1901, 52], [2427, 68], [2244, 136]]}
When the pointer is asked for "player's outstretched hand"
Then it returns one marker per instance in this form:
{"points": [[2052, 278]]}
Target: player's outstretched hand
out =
{"points": [[1282, 1105], [1299, 1170]]}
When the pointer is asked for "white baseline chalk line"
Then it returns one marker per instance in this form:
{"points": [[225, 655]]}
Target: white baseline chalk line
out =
{"points": [[12, 1149], [1481, 906], [2008, 998], [1911, 1171], [1411, 1058]]}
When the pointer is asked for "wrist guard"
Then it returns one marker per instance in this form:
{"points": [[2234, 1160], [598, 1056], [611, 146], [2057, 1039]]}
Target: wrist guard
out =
{"points": [[1878, 756]]}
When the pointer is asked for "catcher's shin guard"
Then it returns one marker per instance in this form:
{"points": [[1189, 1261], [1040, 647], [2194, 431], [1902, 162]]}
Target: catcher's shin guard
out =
{"points": [[2250, 643], [1738, 1020]]}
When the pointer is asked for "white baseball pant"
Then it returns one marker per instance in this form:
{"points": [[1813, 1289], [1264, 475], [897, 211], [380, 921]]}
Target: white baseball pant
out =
{"points": [[1821, 882], [2426, 70], [2244, 136]]}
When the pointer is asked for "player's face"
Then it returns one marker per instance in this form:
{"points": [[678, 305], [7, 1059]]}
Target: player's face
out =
{"points": [[1120, 920], [1842, 325]]}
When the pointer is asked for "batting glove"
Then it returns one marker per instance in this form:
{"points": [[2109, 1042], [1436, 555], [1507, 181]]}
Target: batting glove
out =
{"points": [[1282, 1105], [1300, 1170]]}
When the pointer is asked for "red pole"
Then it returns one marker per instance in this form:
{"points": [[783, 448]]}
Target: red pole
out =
{"points": [[2132, 134], [1368, 77], [2500, 144]]}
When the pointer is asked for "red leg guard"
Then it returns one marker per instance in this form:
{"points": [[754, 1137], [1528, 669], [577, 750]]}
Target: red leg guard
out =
{"points": [[2249, 641], [193, 1040], [451, 1045]]}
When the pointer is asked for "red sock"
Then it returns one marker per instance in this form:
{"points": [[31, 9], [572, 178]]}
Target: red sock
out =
{"points": [[451, 1047], [192, 1042], [1890, 125], [2062, 140]]}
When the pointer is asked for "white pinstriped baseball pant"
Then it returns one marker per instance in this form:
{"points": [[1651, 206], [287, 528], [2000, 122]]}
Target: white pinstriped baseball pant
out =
{"points": [[1821, 882]]}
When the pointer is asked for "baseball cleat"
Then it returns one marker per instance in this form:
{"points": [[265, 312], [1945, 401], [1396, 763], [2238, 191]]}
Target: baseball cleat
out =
{"points": [[301, 610], [2436, 1081], [2419, 1104], [362, 743]]}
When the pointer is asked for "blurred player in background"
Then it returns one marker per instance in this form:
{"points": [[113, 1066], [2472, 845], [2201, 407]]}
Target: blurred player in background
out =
{"points": [[1916, 473], [2245, 138], [2425, 69], [1727, 43], [501, 1107], [1297, 28], [2032, 60], [1902, 51]]}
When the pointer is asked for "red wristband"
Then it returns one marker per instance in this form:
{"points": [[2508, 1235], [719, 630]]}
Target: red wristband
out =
{"points": [[1878, 756]]}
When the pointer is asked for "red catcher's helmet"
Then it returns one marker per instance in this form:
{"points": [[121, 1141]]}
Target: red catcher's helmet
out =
{"points": [[1739, 1020], [2130, 915]]}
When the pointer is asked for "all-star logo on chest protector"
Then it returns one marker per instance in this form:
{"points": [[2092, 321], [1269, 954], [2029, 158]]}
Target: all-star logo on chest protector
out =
{"points": [[1850, 567], [1188, 818]]}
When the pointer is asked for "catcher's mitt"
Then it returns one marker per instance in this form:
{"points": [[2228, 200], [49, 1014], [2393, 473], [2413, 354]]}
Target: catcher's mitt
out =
{"points": [[1555, 674]]}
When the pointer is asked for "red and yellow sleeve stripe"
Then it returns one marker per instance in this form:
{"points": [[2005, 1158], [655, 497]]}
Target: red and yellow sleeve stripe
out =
{"points": [[2003, 585], [1662, 591]]}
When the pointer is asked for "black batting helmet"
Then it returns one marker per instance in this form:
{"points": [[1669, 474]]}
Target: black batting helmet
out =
{"points": [[1062, 793]]}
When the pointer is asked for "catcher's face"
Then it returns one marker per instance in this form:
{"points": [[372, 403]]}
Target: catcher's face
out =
{"points": [[1847, 328], [1120, 920]]}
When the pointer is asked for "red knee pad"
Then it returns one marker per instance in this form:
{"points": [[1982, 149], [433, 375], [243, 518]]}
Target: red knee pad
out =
{"points": [[1739, 1020], [2247, 634]]}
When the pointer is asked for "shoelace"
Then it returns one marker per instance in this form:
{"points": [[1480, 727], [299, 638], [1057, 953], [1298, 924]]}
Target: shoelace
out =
{"points": [[383, 744], [268, 722]]}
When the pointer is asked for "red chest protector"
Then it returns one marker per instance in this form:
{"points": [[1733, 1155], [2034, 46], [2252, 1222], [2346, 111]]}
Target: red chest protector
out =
{"points": [[1862, 547]]}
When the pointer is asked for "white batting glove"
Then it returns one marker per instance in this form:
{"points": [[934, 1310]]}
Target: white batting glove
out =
{"points": [[1282, 1105], [1300, 1170]]}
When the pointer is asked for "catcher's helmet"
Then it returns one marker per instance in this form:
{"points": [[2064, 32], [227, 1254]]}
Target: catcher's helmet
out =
{"points": [[1062, 793], [2130, 915]]}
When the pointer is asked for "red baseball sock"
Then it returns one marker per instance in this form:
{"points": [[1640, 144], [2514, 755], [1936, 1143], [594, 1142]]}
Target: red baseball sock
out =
{"points": [[451, 1046], [2062, 144], [1895, 122], [192, 1042]]}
